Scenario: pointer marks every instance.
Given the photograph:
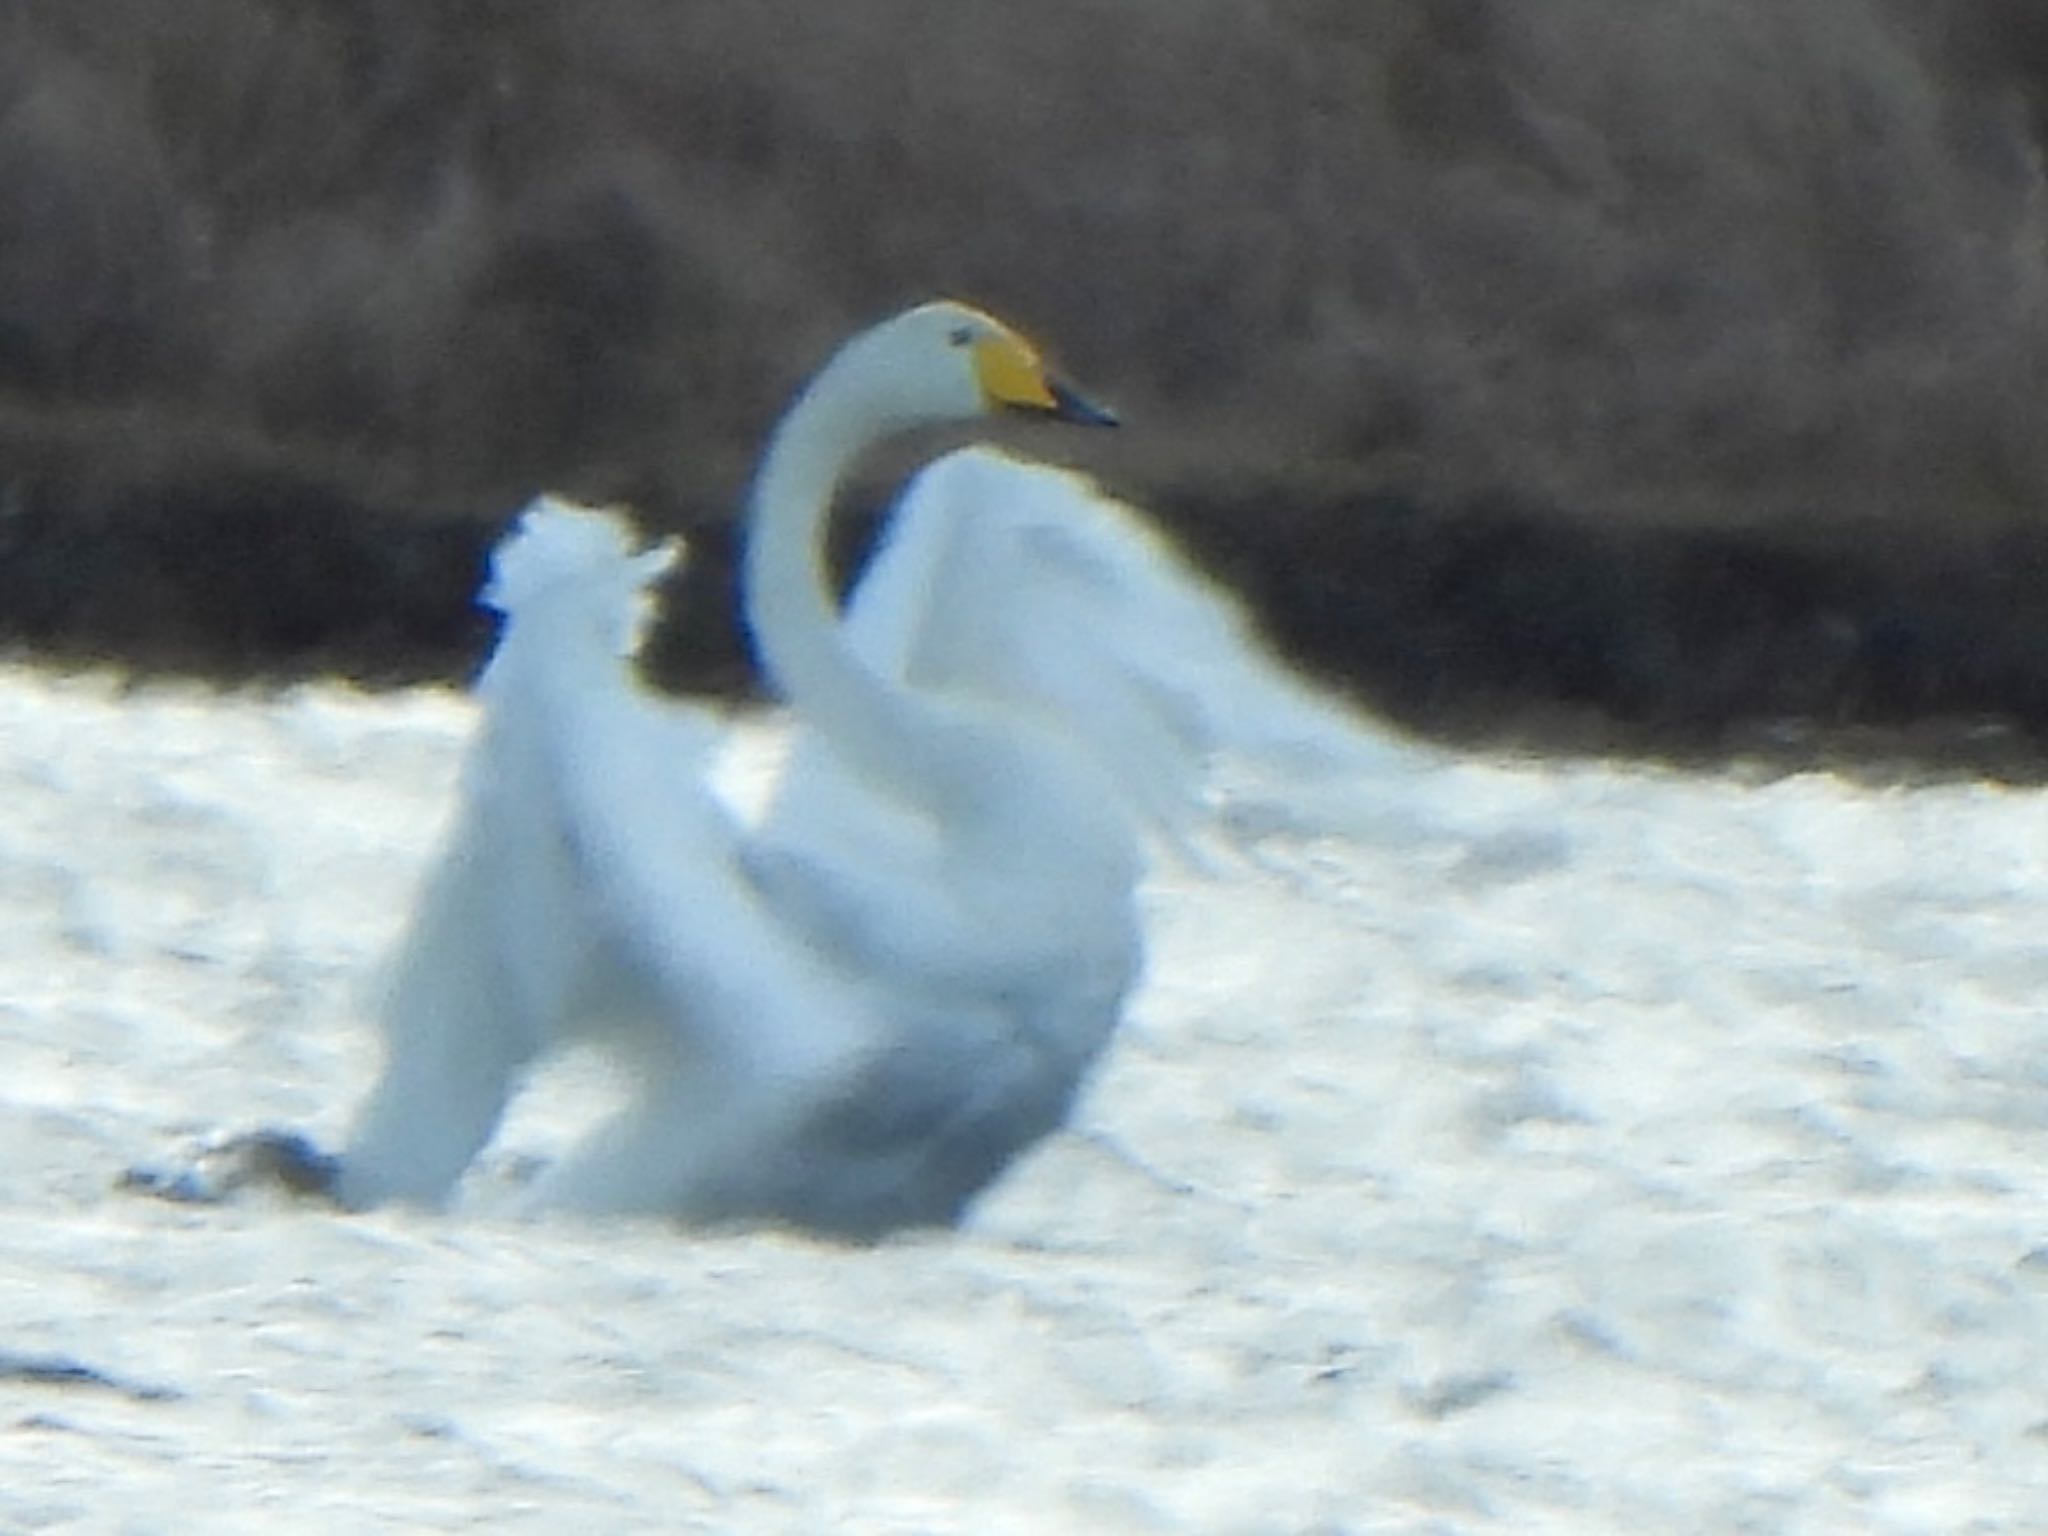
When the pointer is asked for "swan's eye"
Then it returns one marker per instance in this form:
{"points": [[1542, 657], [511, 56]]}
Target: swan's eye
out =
{"points": [[961, 335]]}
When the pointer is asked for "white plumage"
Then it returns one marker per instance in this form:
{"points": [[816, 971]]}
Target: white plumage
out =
{"points": [[851, 1012]]}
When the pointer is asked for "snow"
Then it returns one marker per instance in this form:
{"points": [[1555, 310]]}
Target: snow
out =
{"points": [[1577, 1148]]}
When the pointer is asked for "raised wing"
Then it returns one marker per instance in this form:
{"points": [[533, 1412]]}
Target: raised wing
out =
{"points": [[1025, 584]]}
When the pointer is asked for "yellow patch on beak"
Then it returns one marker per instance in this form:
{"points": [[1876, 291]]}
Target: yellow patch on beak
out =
{"points": [[1011, 372]]}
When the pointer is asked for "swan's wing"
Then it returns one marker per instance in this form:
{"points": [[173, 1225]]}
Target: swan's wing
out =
{"points": [[1025, 584], [502, 927], [504, 938], [621, 778], [589, 871]]}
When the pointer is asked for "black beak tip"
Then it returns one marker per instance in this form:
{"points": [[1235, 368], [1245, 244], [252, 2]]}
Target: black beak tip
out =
{"points": [[1070, 406]]}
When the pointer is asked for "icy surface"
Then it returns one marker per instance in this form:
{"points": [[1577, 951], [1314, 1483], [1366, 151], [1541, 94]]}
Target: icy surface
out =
{"points": [[1579, 1149]]}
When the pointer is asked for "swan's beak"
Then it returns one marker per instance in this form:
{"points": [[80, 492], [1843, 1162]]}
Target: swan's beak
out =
{"points": [[1012, 377], [1070, 405]]}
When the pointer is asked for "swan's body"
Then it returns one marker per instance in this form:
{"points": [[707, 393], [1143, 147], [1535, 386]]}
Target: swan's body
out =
{"points": [[851, 1014]]}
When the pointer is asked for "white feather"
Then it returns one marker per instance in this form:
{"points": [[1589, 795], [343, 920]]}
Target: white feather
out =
{"points": [[852, 1013]]}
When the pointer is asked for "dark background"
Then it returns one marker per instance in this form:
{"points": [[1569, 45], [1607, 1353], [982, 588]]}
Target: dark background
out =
{"points": [[1622, 375]]}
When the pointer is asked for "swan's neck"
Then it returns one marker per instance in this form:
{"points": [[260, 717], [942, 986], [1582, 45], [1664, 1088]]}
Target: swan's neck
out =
{"points": [[881, 729]]}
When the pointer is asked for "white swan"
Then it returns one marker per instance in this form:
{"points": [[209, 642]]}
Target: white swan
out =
{"points": [[850, 1014], [846, 1035]]}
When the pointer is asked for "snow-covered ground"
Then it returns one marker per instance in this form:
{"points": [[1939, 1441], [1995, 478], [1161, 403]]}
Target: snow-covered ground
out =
{"points": [[1586, 1149]]}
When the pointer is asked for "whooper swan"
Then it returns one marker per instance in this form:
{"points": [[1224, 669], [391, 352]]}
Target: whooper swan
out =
{"points": [[851, 1012], [848, 1044]]}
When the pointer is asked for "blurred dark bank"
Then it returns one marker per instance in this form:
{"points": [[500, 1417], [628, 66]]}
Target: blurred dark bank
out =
{"points": [[1591, 375]]}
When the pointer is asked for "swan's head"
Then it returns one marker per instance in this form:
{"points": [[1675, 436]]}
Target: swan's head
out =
{"points": [[948, 361]]}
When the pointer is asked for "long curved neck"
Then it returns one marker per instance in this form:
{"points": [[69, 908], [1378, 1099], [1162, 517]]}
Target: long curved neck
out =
{"points": [[881, 729]]}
